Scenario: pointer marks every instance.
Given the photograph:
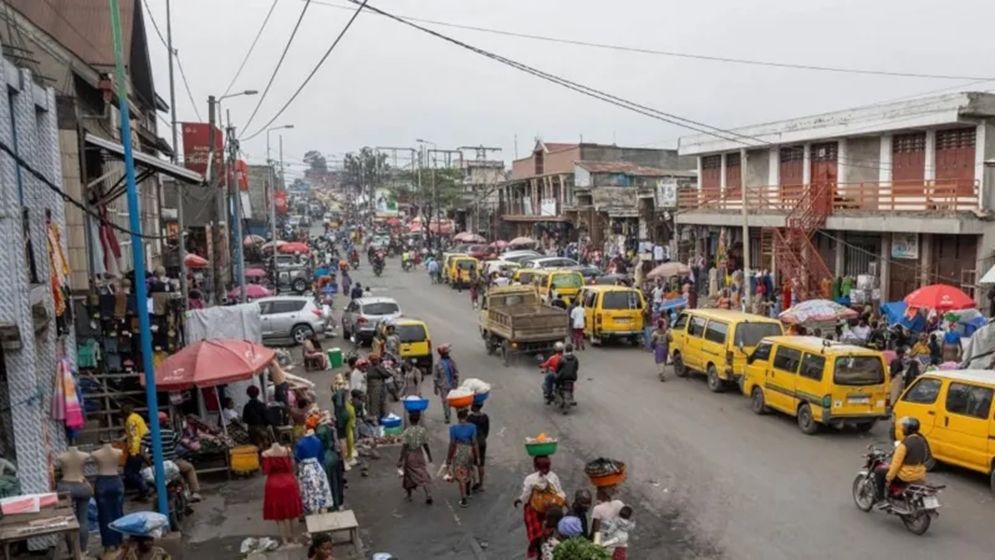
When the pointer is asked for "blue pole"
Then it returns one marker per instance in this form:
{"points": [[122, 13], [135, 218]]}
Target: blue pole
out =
{"points": [[138, 257]]}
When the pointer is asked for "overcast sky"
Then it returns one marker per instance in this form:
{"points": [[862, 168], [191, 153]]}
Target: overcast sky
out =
{"points": [[387, 85]]}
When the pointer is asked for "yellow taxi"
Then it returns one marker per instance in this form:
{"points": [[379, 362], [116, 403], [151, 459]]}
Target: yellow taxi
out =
{"points": [[612, 312], [954, 409], [821, 383], [447, 260], [555, 283], [716, 342], [462, 270], [524, 276]]}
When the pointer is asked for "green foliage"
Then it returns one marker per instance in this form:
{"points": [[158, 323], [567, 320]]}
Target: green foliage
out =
{"points": [[580, 549], [316, 162]]}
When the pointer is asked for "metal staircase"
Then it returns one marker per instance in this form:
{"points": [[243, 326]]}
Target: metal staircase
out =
{"points": [[796, 255]]}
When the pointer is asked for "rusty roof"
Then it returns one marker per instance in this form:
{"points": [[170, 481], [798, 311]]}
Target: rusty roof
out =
{"points": [[627, 168], [81, 26]]}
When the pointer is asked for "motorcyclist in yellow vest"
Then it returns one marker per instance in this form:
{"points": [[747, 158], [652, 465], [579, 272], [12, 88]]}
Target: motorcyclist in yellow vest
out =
{"points": [[908, 462]]}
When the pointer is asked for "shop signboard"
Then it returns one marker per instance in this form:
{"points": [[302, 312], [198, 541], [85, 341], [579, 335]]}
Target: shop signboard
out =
{"points": [[905, 246], [666, 193]]}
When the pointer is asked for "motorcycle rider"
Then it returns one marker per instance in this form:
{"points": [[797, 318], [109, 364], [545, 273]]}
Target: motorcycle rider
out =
{"points": [[550, 367], [357, 291], [405, 259], [567, 368], [908, 462]]}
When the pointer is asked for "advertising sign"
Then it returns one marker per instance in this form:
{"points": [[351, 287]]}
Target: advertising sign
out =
{"points": [[666, 193], [197, 147], [905, 246], [547, 207]]}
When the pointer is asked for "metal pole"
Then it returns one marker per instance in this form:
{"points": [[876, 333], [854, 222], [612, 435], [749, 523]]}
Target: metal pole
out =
{"points": [[215, 271], [138, 257], [234, 191], [746, 232], [180, 189], [272, 207]]}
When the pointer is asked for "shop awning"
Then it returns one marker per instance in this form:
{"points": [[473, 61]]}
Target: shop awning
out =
{"points": [[147, 161]]}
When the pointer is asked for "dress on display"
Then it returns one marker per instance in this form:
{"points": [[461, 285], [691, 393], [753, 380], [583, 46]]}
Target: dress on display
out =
{"points": [[282, 499]]}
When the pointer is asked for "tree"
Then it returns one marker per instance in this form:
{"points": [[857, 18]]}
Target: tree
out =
{"points": [[316, 162], [441, 189], [365, 168]]}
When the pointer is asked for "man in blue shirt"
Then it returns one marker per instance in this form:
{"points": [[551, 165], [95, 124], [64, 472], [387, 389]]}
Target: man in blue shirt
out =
{"points": [[446, 377]]}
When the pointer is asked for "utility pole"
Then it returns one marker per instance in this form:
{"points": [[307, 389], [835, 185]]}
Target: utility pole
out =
{"points": [[138, 256], [236, 200], [212, 183], [746, 232], [481, 156], [283, 180], [180, 188]]}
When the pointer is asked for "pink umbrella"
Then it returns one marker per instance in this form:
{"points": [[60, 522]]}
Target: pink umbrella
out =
{"points": [[294, 247], [255, 273], [252, 291], [195, 261], [522, 241], [499, 244]]}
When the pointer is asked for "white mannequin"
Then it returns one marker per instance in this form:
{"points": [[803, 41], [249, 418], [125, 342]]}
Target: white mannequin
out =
{"points": [[72, 461], [108, 460]]}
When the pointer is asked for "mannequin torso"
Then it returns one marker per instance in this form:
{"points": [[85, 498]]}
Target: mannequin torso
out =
{"points": [[72, 462], [108, 460]]}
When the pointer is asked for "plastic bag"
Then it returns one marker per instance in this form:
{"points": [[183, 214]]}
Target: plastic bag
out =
{"points": [[172, 472], [141, 524], [475, 386]]}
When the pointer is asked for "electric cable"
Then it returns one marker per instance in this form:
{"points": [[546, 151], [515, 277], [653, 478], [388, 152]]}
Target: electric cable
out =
{"points": [[179, 64], [279, 63], [309, 76], [252, 47]]}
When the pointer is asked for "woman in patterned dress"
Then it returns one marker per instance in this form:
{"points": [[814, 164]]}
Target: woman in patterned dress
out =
{"points": [[462, 457], [415, 457], [309, 453]]}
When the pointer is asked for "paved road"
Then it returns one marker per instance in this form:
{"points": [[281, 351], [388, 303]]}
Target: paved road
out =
{"points": [[707, 477]]}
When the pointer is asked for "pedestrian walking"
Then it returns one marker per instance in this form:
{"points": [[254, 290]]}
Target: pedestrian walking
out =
{"points": [[483, 423], [541, 491], [316, 494], [474, 292], [462, 457], [606, 510], [577, 325], [415, 457], [376, 394], [446, 377], [661, 347], [580, 508]]}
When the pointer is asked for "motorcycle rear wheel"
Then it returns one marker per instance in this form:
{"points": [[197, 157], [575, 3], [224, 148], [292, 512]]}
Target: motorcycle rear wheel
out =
{"points": [[917, 524], [864, 492]]}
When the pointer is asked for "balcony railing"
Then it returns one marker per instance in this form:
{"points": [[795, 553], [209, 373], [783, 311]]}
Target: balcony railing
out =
{"points": [[897, 196]]}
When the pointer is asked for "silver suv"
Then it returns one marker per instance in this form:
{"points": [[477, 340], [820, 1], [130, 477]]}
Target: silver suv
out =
{"points": [[360, 318], [290, 317]]}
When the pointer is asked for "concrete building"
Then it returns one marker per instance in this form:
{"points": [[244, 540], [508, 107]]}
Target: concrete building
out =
{"points": [[591, 191], [67, 45], [900, 191]]}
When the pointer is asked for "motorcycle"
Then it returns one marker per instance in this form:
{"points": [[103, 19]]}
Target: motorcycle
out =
{"points": [[378, 268], [406, 265], [916, 504], [563, 396], [177, 496], [354, 260]]}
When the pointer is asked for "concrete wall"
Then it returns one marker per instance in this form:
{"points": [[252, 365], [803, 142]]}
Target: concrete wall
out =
{"points": [[988, 171], [259, 177], [561, 161], [522, 168], [863, 158], [757, 167]]}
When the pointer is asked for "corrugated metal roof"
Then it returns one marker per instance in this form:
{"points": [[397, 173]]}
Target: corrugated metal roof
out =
{"points": [[626, 168], [81, 26]]}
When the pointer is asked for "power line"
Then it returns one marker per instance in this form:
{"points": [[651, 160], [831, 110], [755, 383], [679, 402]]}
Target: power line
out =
{"points": [[313, 72], [66, 197], [251, 48], [179, 64], [678, 54], [279, 63]]}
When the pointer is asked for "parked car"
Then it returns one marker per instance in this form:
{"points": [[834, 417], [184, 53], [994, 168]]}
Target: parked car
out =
{"points": [[360, 317], [519, 256], [295, 279], [290, 317], [549, 262]]}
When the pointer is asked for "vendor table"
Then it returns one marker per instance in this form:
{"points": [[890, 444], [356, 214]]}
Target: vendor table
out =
{"points": [[334, 522], [60, 520]]}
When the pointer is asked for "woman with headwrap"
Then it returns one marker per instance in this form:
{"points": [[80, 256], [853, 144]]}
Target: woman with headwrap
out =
{"points": [[415, 457], [316, 494], [376, 397], [541, 490], [568, 527]]}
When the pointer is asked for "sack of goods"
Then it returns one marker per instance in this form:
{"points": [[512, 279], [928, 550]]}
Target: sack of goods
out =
{"points": [[605, 472]]}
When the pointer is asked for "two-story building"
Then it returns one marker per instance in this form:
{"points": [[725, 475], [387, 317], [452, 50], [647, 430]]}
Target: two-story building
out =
{"points": [[901, 191], [586, 190]]}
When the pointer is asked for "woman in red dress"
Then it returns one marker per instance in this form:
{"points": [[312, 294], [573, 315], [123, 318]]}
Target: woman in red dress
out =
{"points": [[282, 500]]}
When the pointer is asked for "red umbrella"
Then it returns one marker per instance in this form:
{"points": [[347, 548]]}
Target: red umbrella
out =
{"points": [[195, 261], [208, 363], [294, 247], [255, 273], [940, 297], [252, 291]]}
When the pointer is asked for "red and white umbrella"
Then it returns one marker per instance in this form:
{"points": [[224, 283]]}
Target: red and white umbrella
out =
{"points": [[941, 297], [816, 311]]}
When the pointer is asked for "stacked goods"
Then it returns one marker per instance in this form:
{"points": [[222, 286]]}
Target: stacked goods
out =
{"points": [[540, 445], [480, 389], [605, 472]]}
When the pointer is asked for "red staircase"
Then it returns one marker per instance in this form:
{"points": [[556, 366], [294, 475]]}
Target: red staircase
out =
{"points": [[796, 255]]}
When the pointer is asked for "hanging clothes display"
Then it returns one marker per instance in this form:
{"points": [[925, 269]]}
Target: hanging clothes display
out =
{"points": [[66, 402], [58, 269]]}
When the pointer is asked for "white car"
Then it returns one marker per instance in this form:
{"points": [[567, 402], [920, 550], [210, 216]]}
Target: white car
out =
{"points": [[519, 256], [549, 262]]}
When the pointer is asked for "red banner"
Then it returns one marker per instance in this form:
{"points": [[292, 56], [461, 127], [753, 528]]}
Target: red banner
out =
{"points": [[281, 202], [242, 175], [196, 148]]}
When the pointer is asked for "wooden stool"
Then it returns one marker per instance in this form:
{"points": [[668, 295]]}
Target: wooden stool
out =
{"points": [[334, 522]]}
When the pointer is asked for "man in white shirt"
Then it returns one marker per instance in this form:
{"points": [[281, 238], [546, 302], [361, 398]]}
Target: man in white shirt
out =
{"points": [[577, 325], [657, 292]]}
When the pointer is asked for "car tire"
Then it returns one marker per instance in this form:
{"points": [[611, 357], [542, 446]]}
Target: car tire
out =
{"points": [[865, 427], [679, 368], [299, 285], [300, 333], [757, 402], [806, 422], [715, 383], [991, 480]]}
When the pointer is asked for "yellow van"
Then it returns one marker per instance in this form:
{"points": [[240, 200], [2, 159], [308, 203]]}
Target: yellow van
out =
{"points": [[561, 283], [821, 383], [612, 312], [716, 342], [954, 409], [447, 260], [462, 270], [416, 342], [524, 276]]}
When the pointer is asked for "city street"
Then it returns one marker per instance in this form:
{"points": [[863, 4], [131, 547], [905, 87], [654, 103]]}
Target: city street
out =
{"points": [[707, 478]]}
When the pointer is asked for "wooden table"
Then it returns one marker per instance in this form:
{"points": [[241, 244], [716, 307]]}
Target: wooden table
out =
{"points": [[60, 520], [336, 521]]}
